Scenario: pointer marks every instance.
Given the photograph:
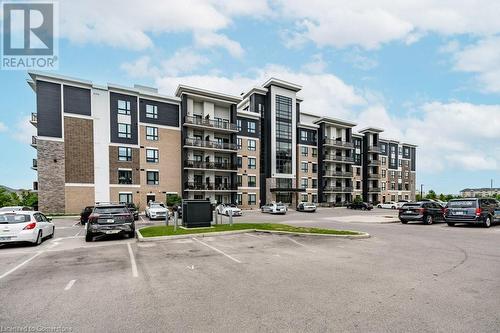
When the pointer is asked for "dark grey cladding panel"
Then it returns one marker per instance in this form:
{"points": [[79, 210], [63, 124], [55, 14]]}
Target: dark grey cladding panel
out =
{"points": [[168, 113], [406, 152], [77, 100], [393, 151], [413, 154], [311, 136], [255, 101], [244, 127], [384, 148], [48, 108], [113, 113]]}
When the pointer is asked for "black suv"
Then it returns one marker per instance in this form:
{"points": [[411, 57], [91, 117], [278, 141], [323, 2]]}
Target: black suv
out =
{"points": [[360, 205], [110, 219], [84, 215], [425, 211], [483, 212], [133, 209]]}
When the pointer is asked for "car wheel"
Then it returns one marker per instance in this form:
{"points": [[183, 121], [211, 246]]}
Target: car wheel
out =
{"points": [[450, 224], [131, 234], [428, 220], [363, 208], [393, 207], [88, 237], [487, 222], [53, 232], [379, 206], [38, 239], [404, 222]]}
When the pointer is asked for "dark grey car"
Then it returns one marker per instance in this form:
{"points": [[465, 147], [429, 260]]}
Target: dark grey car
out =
{"points": [[477, 211], [110, 219]]}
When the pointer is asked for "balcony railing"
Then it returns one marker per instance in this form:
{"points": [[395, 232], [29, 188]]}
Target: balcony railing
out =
{"points": [[374, 149], [338, 158], [338, 143], [331, 173], [195, 186], [34, 118], [225, 125], [209, 144], [209, 165], [337, 189], [373, 162], [35, 186], [373, 175], [35, 164], [374, 189], [33, 141]]}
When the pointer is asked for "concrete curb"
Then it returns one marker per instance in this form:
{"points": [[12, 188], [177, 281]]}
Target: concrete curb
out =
{"points": [[140, 238]]}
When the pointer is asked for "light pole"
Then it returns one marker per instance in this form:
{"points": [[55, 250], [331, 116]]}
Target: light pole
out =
{"points": [[421, 191]]}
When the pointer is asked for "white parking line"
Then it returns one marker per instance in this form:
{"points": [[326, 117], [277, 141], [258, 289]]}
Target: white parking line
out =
{"points": [[77, 223], [143, 221], [69, 285], [132, 261], [252, 235], [20, 265], [217, 250], [303, 245]]}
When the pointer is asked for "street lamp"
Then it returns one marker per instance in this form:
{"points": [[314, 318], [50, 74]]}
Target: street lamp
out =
{"points": [[421, 191]]}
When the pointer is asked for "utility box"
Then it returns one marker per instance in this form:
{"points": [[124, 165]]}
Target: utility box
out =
{"points": [[197, 213]]}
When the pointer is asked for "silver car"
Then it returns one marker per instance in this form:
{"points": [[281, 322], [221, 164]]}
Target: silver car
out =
{"points": [[306, 207], [274, 208]]}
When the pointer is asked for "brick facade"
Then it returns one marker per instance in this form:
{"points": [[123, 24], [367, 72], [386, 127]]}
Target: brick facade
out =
{"points": [[79, 148], [51, 174]]}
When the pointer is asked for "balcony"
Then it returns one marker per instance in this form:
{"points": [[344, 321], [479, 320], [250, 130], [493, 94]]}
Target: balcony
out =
{"points": [[34, 166], [212, 187], [373, 175], [374, 189], [203, 165], [374, 149], [198, 122], [337, 189], [35, 186], [335, 158], [34, 119], [211, 145], [338, 143], [332, 173], [33, 141], [373, 162]]}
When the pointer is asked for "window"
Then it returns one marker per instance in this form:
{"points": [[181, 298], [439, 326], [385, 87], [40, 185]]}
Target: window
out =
{"points": [[303, 135], [383, 186], [124, 131], [358, 171], [283, 183], [123, 107], [315, 152], [315, 168], [251, 126], [124, 154], [153, 177], [314, 183], [252, 163], [407, 174], [238, 162], [400, 162], [314, 198], [124, 176], [238, 180], [393, 186], [239, 199], [393, 161], [358, 185], [303, 166], [393, 174], [283, 157], [304, 183], [251, 144], [152, 133], [384, 172], [152, 155], [125, 198], [252, 199], [151, 111], [383, 148], [304, 151], [238, 124], [252, 181], [304, 198], [384, 160], [238, 143]]}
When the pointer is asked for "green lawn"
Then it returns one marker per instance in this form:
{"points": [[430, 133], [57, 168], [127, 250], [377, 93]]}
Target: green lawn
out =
{"points": [[169, 231]]}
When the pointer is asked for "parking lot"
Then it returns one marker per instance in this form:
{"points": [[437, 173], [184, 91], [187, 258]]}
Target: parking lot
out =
{"points": [[405, 277]]}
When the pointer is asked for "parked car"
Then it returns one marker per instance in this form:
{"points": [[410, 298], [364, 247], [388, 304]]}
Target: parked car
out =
{"points": [[483, 212], [110, 219], [400, 203], [156, 210], [427, 212], [274, 208], [25, 226], [15, 208], [306, 207], [84, 215], [360, 205], [226, 209], [133, 209], [388, 205]]}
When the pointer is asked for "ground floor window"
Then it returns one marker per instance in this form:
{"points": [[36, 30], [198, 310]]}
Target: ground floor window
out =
{"points": [[125, 197], [252, 199], [198, 196], [284, 197], [314, 198], [304, 198], [239, 199]]}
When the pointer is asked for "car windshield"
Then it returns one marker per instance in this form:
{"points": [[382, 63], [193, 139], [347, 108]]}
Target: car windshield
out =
{"points": [[280, 205], [411, 205], [14, 218], [157, 206], [462, 204], [111, 210]]}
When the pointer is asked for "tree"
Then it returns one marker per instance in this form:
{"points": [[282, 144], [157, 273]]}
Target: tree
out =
{"points": [[29, 199], [418, 197], [173, 199], [8, 199], [431, 195]]}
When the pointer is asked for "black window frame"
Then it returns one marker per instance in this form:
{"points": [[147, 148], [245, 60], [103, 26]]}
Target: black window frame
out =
{"points": [[128, 154]]}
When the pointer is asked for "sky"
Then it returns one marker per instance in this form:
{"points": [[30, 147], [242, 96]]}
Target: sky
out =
{"points": [[426, 71]]}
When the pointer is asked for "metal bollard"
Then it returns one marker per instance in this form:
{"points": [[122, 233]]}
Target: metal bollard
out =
{"points": [[231, 217], [166, 219], [176, 216]]}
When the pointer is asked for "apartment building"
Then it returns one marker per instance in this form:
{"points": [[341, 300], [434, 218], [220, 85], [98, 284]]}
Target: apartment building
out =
{"points": [[132, 144], [480, 192]]}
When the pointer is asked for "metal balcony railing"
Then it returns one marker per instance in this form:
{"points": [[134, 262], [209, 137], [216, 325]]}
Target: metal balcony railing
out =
{"points": [[373, 175], [338, 158], [338, 143], [35, 164], [374, 149], [34, 118], [209, 144], [374, 189], [209, 165], [373, 162], [337, 189], [224, 125], [33, 141], [331, 173], [195, 186]]}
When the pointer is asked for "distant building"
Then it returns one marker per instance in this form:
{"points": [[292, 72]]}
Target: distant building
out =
{"points": [[480, 192]]}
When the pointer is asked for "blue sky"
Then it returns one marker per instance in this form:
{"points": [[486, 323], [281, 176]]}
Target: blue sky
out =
{"points": [[427, 73]]}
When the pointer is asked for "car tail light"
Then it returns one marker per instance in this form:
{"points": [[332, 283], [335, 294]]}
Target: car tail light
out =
{"points": [[30, 226], [421, 210], [446, 210], [478, 211]]}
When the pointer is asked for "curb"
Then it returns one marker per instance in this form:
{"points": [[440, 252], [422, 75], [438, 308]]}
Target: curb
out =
{"points": [[140, 238]]}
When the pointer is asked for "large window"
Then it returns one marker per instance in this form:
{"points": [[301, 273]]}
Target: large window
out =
{"points": [[238, 180], [252, 181], [124, 176], [238, 162], [251, 144], [283, 157], [124, 154], [238, 124], [252, 199], [315, 168], [251, 126], [152, 155], [152, 133], [283, 135], [252, 163], [283, 107], [125, 198], [303, 166], [238, 143], [153, 177], [124, 107], [315, 152], [314, 183], [239, 199], [283, 130], [304, 183], [304, 151], [151, 111], [124, 131]]}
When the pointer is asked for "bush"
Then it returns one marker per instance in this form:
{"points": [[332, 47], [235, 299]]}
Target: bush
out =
{"points": [[173, 199]]}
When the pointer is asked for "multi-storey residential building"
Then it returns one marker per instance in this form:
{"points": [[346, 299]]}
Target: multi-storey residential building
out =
{"points": [[480, 192], [112, 143]]}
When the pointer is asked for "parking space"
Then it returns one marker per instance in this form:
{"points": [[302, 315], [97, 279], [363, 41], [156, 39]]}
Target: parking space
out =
{"points": [[405, 276]]}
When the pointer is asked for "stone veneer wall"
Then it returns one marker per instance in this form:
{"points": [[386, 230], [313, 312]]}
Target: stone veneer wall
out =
{"points": [[51, 174]]}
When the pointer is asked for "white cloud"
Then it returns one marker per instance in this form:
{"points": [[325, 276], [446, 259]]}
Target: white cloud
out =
{"points": [[316, 66], [3, 128], [210, 39], [23, 130]]}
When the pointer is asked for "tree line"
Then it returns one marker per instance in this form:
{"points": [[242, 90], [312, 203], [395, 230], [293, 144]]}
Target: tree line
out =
{"points": [[26, 198]]}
